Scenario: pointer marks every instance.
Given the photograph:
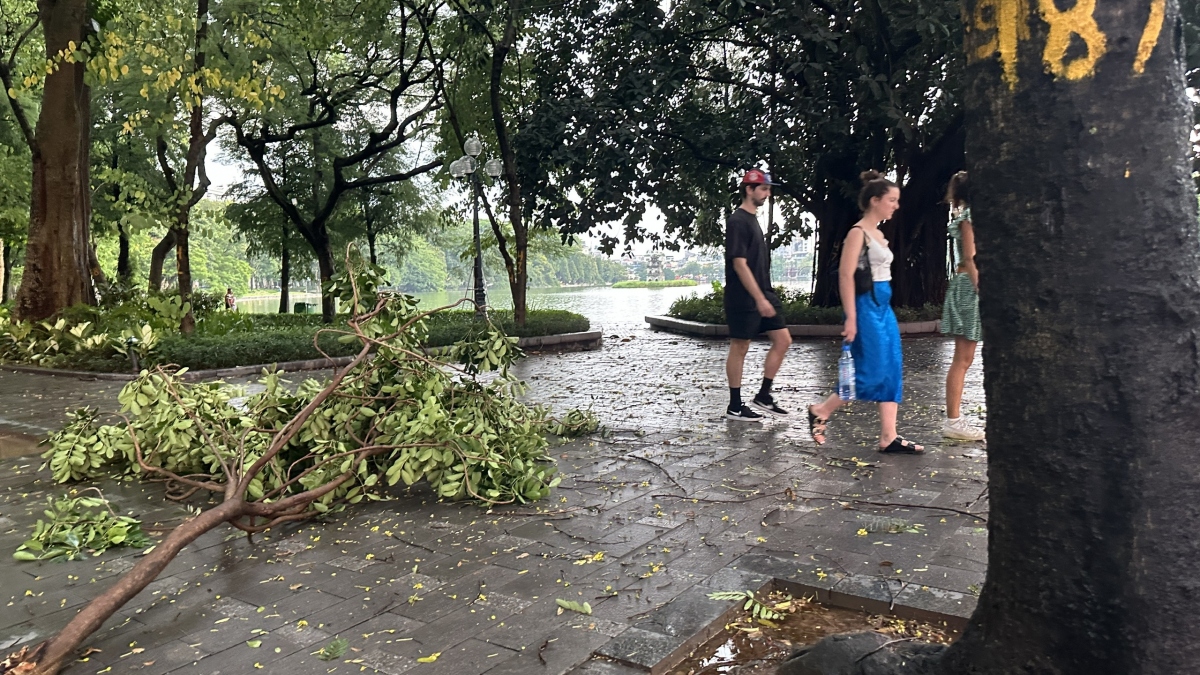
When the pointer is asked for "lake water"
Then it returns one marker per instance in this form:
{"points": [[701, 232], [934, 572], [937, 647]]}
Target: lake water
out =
{"points": [[606, 307]]}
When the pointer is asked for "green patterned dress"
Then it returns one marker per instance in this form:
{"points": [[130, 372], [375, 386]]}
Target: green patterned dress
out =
{"points": [[960, 312]]}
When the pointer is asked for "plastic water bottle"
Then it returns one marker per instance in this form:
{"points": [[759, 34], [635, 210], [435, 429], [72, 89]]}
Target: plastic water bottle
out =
{"points": [[846, 374]]}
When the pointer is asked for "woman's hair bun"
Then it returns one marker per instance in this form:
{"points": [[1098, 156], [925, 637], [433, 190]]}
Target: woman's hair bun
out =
{"points": [[870, 175], [874, 185]]}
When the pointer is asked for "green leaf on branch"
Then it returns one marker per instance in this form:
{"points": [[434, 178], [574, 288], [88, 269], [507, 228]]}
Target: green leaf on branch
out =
{"points": [[333, 650], [77, 527], [582, 608]]}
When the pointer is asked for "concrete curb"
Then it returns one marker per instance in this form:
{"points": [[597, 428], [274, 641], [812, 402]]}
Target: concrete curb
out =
{"points": [[589, 340], [721, 330]]}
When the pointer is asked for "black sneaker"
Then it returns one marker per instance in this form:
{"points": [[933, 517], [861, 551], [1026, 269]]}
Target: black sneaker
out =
{"points": [[743, 415], [766, 403]]}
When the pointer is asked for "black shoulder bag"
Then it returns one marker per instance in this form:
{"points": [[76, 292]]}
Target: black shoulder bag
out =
{"points": [[864, 282]]}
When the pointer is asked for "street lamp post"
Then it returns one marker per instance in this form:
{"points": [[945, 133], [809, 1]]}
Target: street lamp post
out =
{"points": [[468, 165]]}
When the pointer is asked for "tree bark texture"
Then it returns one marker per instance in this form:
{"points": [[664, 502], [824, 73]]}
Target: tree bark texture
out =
{"points": [[124, 265], [285, 271], [10, 258], [370, 221], [157, 257], [183, 271], [326, 268], [1085, 217], [834, 218], [57, 272]]}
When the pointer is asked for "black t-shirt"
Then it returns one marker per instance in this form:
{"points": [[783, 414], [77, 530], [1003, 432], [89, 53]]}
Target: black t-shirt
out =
{"points": [[744, 239]]}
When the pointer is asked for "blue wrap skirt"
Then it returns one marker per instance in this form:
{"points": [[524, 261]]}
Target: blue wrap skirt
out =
{"points": [[878, 371]]}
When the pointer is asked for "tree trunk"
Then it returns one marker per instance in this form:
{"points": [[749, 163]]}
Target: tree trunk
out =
{"points": [[183, 272], [191, 193], [4, 253], [124, 266], [834, 219], [326, 268], [157, 256], [918, 230], [520, 281], [371, 240], [10, 259], [518, 275], [285, 272], [57, 272], [1085, 215]]}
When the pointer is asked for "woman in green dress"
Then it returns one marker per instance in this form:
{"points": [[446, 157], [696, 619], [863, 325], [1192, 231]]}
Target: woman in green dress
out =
{"points": [[960, 313]]}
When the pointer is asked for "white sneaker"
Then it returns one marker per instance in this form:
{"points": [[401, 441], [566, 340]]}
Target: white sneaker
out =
{"points": [[962, 430]]}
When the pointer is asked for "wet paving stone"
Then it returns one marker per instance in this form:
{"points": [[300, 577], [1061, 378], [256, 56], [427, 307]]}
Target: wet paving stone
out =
{"points": [[675, 501]]}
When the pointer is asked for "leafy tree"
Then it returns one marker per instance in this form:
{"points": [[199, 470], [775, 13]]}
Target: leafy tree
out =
{"points": [[486, 91], [398, 212], [422, 268], [185, 61], [58, 270], [360, 83], [643, 107], [218, 256], [270, 234]]}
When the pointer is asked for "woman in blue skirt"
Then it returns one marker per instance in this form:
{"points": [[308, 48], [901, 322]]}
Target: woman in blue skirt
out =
{"points": [[871, 327]]}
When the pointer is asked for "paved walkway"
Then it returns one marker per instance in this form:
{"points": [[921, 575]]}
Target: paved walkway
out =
{"points": [[672, 503]]}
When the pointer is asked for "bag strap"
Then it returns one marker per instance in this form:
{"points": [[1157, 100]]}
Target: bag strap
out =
{"points": [[866, 243], [865, 255]]}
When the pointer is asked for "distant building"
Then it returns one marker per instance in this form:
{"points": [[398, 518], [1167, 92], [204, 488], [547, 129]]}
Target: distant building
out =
{"points": [[654, 268]]}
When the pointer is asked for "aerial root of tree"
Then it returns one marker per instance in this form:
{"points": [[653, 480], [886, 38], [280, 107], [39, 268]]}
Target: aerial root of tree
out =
{"points": [[863, 654]]}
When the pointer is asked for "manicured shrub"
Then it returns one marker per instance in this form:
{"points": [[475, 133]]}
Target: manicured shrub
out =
{"points": [[796, 309]]}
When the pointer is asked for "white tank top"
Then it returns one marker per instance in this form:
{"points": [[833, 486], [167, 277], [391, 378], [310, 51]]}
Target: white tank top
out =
{"points": [[880, 257]]}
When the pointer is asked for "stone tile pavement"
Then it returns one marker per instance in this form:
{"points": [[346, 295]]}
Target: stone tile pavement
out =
{"points": [[672, 503]]}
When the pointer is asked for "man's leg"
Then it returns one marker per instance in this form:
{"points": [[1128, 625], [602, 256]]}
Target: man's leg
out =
{"points": [[733, 370], [781, 340]]}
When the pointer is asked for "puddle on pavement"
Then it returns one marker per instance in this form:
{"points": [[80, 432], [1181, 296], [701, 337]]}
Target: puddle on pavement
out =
{"points": [[17, 445], [746, 647]]}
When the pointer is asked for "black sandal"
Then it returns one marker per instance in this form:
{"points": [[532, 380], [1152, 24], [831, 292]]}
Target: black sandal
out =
{"points": [[816, 427], [902, 446]]}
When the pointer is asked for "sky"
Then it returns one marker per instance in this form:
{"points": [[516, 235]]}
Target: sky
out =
{"points": [[224, 172]]}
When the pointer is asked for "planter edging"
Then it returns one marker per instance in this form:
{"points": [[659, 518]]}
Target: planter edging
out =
{"points": [[797, 330], [587, 340]]}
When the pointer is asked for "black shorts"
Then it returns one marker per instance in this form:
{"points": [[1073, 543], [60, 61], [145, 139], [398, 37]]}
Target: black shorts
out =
{"points": [[746, 325]]}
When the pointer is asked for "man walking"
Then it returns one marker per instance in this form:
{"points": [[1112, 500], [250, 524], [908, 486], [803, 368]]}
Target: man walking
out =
{"points": [[751, 306]]}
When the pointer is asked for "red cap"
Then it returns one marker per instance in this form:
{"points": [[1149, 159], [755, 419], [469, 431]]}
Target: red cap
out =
{"points": [[756, 177]]}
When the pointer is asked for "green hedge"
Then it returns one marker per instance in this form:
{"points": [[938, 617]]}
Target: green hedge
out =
{"points": [[227, 339], [796, 310], [201, 352], [272, 338]]}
